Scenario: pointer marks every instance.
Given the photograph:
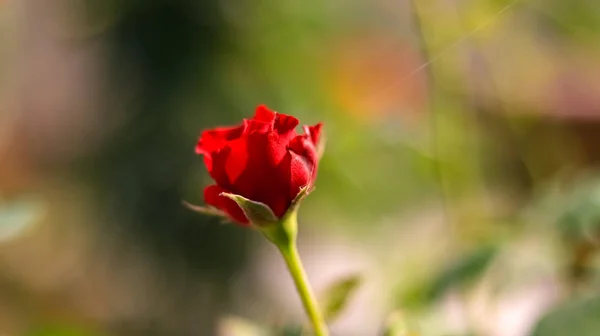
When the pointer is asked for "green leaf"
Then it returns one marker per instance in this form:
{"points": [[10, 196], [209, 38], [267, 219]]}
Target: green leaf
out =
{"points": [[580, 219], [581, 318], [462, 271], [258, 213], [337, 295]]}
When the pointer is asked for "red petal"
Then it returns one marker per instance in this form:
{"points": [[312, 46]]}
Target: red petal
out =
{"points": [[234, 161], [265, 177], [212, 197], [260, 126], [302, 173], [264, 114], [215, 146], [314, 132], [286, 125], [216, 138], [303, 146], [217, 169]]}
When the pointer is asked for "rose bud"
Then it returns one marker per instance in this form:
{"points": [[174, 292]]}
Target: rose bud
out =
{"points": [[261, 168]]}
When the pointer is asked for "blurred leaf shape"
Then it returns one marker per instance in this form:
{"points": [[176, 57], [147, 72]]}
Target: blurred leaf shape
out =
{"points": [[580, 219], [337, 295], [581, 318], [237, 326], [18, 215], [578, 20], [415, 295], [397, 324], [462, 271]]}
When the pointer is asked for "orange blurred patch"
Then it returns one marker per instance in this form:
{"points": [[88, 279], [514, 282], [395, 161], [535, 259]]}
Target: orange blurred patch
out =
{"points": [[16, 173], [376, 77]]}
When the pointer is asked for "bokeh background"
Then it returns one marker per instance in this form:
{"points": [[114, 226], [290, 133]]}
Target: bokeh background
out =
{"points": [[459, 181]]}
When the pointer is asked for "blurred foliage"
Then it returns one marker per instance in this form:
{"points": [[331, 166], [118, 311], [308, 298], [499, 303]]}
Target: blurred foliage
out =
{"points": [[397, 325], [337, 295], [579, 20], [580, 218], [580, 317], [292, 331], [461, 272], [445, 122], [143, 169], [456, 275]]}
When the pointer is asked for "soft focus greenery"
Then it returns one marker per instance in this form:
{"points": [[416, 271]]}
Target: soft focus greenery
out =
{"points": [[460, 177]]}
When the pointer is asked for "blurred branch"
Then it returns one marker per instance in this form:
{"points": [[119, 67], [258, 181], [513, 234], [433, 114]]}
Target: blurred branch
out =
{"points": [[417, 25]]}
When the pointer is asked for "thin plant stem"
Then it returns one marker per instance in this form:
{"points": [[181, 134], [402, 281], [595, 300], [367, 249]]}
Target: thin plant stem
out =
{"points": [[294, 265], [283, 235]]}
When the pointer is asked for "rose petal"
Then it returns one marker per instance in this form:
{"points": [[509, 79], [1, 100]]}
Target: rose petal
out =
{"points": [[253, 126], [236, 161], [264, 114], [215, 139], [301, 175], [218, 167], [303, 146], [265, 178], [314, 132], [286, 126]]}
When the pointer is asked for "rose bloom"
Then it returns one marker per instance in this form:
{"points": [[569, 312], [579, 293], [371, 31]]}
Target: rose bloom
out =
{"points": [[263, 160]]}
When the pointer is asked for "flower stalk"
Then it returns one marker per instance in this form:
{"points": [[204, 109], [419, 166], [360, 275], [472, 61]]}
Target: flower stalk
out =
{"points": [[283, 235]]}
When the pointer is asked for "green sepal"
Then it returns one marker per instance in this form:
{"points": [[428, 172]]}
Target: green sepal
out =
{"points": [[285, 231], [208, 210], [205, 210], [257, 213], [304, 191]]}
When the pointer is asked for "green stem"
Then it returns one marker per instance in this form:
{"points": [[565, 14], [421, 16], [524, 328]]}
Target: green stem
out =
{"points": [[283, 235], [294, 264]]}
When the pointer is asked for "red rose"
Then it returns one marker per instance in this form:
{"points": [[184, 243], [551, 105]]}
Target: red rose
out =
{"points": [[263, 160]]}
